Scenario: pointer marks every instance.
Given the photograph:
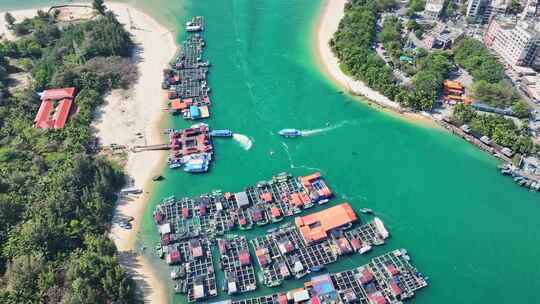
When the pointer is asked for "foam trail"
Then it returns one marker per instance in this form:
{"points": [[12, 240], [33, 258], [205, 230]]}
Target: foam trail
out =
{"points": [[323, 130], [243, 141], [288, 154], [291, 163]]}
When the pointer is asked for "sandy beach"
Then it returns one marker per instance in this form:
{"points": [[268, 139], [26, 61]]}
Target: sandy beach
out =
{"points": [[332, 13], [139, 110], [126, 113]]}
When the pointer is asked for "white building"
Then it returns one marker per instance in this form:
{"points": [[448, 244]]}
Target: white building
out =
{"points": [[530, 9], [516, 43], [433, 9]]}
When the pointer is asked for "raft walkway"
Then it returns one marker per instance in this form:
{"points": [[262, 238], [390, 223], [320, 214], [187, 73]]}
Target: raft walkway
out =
{"points": [[218, 212], [389, 278], [284, 253], [200, 282], [235, 261], [186, 80]]}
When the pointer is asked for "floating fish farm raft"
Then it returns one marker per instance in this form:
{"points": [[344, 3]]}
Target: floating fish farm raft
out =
{"points": [[389, 278], [218, 212], [286, 253], [191, 148], [194, 235], [186, 80], [235, 261]]}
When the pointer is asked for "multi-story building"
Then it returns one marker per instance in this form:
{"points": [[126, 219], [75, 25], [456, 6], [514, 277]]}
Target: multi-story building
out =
{"points": [[494, 8], [475, 8], [516, 43], [530, 9], [485, 10], [433, 9]]}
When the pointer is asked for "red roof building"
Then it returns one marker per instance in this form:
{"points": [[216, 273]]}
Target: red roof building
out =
{"points": [[366, 276], [261, 256], [173, 257], [315, 227], [395, 288], [377, 298], [392, 269], [57, 94], [276, 213], [356, 244], [244, 258], [46, 117], [266, 197]]}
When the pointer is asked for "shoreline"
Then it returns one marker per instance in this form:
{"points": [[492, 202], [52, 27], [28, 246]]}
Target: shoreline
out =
{"points": [[156, 48], [330, 15], [124, 113]]}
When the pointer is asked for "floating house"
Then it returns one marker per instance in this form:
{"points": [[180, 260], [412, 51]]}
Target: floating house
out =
{"points": [[55, 108], [316, 226]]}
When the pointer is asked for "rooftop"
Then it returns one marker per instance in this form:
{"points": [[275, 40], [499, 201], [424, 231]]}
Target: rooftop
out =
{"points": [[315, 226]]}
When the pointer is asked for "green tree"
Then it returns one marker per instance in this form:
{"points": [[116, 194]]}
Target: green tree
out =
{"points": [[412, 25], [22, 277], [417, 5], [462, 114], [10, 20], [515, 7], [450, 9], [387, 5], [521, 109], [99, 6]]}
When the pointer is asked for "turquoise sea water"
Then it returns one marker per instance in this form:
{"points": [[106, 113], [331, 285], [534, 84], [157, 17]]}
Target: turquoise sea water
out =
{"points": [[472, 231]]}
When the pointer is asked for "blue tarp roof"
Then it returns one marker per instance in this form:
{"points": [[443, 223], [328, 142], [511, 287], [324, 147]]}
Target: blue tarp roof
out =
{"points": [[194, 111], [322, 284]]}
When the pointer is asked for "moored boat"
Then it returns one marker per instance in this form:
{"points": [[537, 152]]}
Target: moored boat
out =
{"points": [[366, 210], [221, 133], [158, 178]]}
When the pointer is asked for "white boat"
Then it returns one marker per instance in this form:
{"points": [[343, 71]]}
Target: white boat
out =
{"points": [[131, 190], [290, 133]]}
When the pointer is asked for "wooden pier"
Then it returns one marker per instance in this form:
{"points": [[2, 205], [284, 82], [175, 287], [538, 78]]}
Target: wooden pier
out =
{"points": [[151, 147]]}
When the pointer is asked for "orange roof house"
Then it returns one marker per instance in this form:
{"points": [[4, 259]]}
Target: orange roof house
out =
{"points": [[454, 85], [266, 197], [313, 182], [177, 104], [46, 117], [315, 227]]}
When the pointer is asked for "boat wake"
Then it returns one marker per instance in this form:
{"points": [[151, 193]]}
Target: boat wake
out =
{"points": [[291, 163], [243, 141], [324, 130]]}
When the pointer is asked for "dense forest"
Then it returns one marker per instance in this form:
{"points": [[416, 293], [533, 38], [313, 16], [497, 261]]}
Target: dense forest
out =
{"points": [[503, 131], [490, 88], [56, 194], [488, 74]]}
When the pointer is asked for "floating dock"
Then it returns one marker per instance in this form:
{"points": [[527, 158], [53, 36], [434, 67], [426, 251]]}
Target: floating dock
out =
{"points": [[186, 79], [235, 261], [190, 146], [389, 278], [284, 253], [191, 229], [218, 212], [198, 280]]}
